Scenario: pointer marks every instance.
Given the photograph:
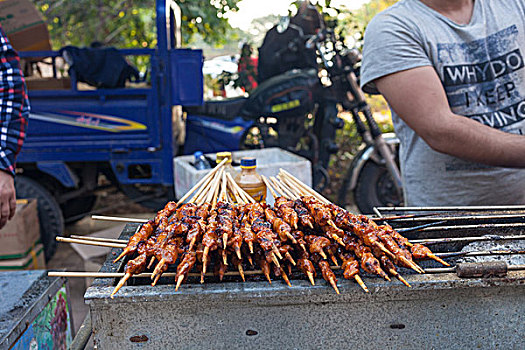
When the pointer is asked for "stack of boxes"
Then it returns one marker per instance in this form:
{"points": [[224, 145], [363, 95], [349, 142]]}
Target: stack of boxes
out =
{"points": [[20, 246]]}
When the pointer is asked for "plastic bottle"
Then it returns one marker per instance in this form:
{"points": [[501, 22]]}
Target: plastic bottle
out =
{"points": [[228, 166], [250, 181], [200, 162]]}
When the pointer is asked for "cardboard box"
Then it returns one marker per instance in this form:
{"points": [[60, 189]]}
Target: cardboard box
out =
{"points": [[24, 25], [34, 260], [22, 232]]}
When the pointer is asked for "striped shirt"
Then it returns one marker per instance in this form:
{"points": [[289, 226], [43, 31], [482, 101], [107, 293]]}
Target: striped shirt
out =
{"points": [[14, 105]]}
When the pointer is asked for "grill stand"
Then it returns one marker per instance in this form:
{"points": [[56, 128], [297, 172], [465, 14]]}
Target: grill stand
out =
{"points": [[439, 311]]}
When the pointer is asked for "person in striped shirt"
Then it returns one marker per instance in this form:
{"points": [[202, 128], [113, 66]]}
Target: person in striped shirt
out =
{"points": [[14, 112]]}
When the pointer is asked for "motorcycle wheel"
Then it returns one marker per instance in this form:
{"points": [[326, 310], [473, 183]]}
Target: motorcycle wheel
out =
{"points": [[374, 188]]}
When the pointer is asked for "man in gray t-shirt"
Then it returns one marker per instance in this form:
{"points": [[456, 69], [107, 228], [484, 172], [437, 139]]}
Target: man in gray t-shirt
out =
{"points": [[453, 73]]}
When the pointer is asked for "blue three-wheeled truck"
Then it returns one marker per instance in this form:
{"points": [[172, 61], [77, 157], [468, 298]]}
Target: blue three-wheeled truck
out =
{"points": [[129, 135]]}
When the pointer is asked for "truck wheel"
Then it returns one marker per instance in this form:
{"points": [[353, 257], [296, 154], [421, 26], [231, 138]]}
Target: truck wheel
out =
{"points": [[76, 209], [49, 213], [375, 188]]}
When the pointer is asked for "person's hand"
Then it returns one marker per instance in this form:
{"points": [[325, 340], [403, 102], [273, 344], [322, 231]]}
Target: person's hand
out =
{"points": [[7, 197]]}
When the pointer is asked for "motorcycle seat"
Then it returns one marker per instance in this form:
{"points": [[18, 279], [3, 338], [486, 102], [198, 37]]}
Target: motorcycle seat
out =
{"points": [[226, 109]]}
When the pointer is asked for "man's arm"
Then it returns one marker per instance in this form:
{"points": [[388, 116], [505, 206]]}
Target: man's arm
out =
{"points": [[14, 111], [418, 97]]}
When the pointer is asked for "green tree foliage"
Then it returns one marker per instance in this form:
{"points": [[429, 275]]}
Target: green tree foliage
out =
{"points": [[130, 23]]}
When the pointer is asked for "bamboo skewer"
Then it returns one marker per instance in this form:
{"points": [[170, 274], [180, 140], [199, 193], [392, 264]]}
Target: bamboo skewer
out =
{"points": [[216, 190], [117, 219], [311, 277], [199, 184], [304, 186], [284, 188], [362, 284], [270, 188], [87, 242], [120, 284], [466, 239], [277, 188], [99, 239], [201, 190], [290, 185]]}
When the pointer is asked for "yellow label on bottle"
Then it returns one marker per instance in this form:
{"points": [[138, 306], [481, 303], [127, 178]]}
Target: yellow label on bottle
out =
{"points": [[257, 193]]}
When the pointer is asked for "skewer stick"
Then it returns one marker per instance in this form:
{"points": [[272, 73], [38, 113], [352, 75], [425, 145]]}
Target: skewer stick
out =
{"points": [[298, 192], [157, 268], [267, 275], [276, 252], [274, 259], [151, 262], [438, 259], [277, 188], [250, 247], [117, 219], [241, 271], [399, 277], [285, 277], [281, 188], [154, 283], [210, 190], [267, 183], [311, 277], [334, 284], [304, 186], [291, 238], [120, 284], [99, 239], [86, 242], [179, 282], [216, 190], [233, 190], [286, 186], [323, 254], [204, 261], [84, 274], [199, 184], [201, 190], [223, 196], [242, 193], [235, 187], [334, 260], [290, 259], [411, 264], [361, 283]]}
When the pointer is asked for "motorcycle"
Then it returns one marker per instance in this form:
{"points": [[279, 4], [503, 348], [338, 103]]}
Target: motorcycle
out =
{"points": [[298, 111]]}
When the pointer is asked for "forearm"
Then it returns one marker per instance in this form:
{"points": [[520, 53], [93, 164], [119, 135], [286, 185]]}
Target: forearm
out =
{"points": [[465, 138]]}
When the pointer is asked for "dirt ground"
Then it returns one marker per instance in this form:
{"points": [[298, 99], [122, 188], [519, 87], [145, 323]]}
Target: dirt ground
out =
{"points": [[69, 258]]}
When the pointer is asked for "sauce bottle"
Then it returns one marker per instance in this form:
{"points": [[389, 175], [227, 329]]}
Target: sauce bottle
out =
{"points": [[250, 181], [228, 166]]}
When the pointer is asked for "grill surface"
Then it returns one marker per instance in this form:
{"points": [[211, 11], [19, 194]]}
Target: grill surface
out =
{"points": [[440, 310]]}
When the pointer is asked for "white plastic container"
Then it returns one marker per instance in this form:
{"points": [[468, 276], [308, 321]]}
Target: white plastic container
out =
{"points": [[269, 160]]}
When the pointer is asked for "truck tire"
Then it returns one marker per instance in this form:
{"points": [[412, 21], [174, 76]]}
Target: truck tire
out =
{"points": [[375, 188], [49, 213], [77, 208]]}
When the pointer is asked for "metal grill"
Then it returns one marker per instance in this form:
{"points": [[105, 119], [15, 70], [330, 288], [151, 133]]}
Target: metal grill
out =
{"points": [[441, 309]]}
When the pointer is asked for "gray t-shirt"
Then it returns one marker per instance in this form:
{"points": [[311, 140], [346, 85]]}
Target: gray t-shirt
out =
{"points": [[482, 71]]}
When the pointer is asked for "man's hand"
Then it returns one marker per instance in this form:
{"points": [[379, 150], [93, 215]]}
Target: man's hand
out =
{"points": [[418, 97], [7, 197]]}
